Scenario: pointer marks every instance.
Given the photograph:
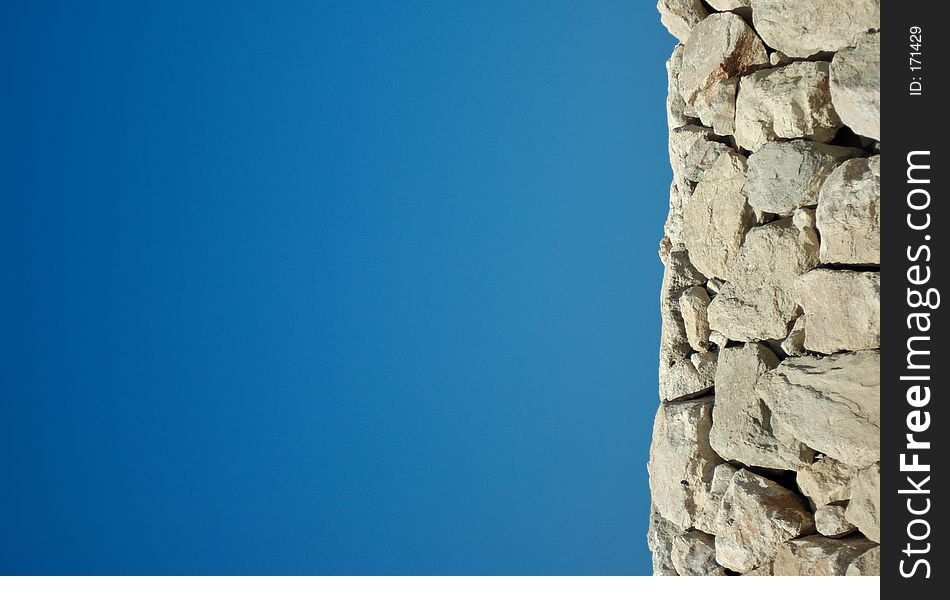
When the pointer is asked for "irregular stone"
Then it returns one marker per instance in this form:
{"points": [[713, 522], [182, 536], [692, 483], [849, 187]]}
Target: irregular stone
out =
{"points": [[680, 16], [864, 510], [856, 85], [689, 377], [756, 517], [741, 429], [849, 213], [842, 310], [681, 460], [831, 522], [831, 404], [723, 5], [660, 537], [673, 228], [783, 176], [720, 47], [675, 107], [758, 300], [803, 28], [866, 565], [693, 303], [826, 480], [779, 59], [706, 516], [717, 216], [678, 275], [718, 339], [693, 152], [694, 554], [763, 571], [720, 112], [788, 102], [818, 555], [794, 344]]}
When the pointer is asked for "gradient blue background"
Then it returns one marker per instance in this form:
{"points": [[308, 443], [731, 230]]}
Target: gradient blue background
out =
{"points": [[330, 287]]}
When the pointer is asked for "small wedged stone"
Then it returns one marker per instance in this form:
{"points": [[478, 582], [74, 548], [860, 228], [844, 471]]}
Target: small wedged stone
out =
{"points": [[794, 343], [673, 227], [783, 176], [720, 112], [720, 47], [660, 537], [693, 152], [694, 554], [864, 510], [693, 303], [717, 216], [818, 555], [681, 461], [724, 5], [803, 28], [707, 513], [866, 565], [689, 377], [826, 480], [675, 107], [680, 16], [842, 310], [756, 517], [831, 404], [856, 85], [679, 275], [758, 300], [742, 429], [789, 102], [830, 521], [849, 213]]}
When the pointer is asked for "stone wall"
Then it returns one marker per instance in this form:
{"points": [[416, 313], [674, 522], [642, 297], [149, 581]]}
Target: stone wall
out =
{"points": [[765, 453]]}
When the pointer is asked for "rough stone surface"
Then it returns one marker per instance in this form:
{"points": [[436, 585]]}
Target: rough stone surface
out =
{"points": [[849, 213], [783, 176], [803, 28], [826, 480], [675, 107], [756, 517], [694, 553], [660, 537], [818, 555], [842, 310], [831, 404], [856, 86], [706, 516], [864, 510], [720, 111], [787, 102], [830, 521], [693, 150], [681, 460], [758, 301], [742, 429], [680, 16], [689, 377], [720, 47], [717, 216], [693, 303], [867, 565], [722, 5], [794, 344]]}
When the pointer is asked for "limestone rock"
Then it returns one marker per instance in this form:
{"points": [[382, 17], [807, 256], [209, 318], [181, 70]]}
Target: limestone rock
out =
{"points": [[689, 377], [830, 521], [673, 228], [723, 5], [826, 480], [720, 47], [660, 537], [741, 429], [678, 275], [693, 150], [856, 85], [783, 176], [675, 107], [831, 404], [842, 310], [763, 571], [758, 301], [681, 460], [693, 303], [803, 28], [864, 510], [794, 344], [787, 102], [756, 517], [818, 555], [779, 59], [694, 553], [680, 16], [867, 565], [849, 213], [706, 516], [717, 216], [720, 112]]}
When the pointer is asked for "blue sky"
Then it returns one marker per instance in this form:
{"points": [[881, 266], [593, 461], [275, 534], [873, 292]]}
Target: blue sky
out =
{"points": [[330, 287]]}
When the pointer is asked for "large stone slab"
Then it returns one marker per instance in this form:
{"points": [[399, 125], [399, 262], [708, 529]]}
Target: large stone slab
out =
{"points": [[681, 461], [830, 404], [787, 102], [842, 310], [803, 28], [742, 429], [849, 213], [757, 516], [818, 555]]}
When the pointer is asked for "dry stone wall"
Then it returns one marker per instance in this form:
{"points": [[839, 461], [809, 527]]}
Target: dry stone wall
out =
{"points": [[765, 457]]}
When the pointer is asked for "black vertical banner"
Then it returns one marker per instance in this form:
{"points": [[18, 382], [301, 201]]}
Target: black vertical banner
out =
{"points": [[915, 372]]}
